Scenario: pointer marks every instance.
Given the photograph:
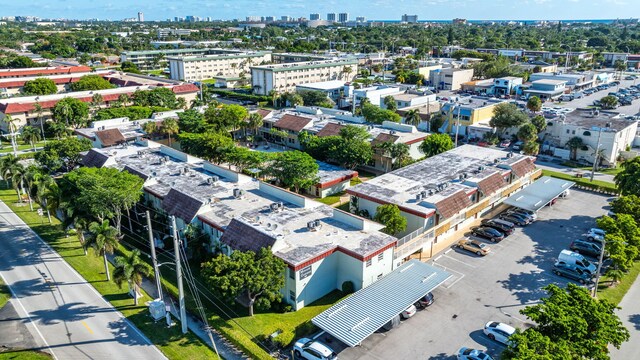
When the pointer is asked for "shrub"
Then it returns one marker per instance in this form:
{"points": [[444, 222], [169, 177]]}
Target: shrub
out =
{"points": [[283, 339]]}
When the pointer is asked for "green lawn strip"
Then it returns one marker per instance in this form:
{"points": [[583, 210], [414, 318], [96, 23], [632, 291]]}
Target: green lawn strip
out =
{"points": [[6, 146], [331, 199], [617, 292], [595, 184], [24, 355], [5, 294], [170, 341]]}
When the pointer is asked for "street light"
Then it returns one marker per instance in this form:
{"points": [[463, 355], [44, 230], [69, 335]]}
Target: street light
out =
{"points": [[595, 287], [595, 161], [566, 63]]}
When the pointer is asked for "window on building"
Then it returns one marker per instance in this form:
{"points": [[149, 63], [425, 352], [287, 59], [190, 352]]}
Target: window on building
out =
{"points": [[568, 131], [292, 295], [379, 276], [573, 132], [368, 262], [586, 133], [292, 274], [380, 256], [305, 272]]}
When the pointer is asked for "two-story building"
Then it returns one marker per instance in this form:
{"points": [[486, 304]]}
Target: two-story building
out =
{"points": [[449, 78], [467, 112], [507, 85], [546, 89]]}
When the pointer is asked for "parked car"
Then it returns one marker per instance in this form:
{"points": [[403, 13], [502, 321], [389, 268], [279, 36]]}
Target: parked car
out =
{"points": [[595, 233], [313, 350], [488, 233], [528, 213], [409, 312], [498, 331], [577, 260], [518, 145], [475, 246], [588, 248], [571, 272], [505, 143], [472, 354], [506, 227], [425, 301], [515, 218]]}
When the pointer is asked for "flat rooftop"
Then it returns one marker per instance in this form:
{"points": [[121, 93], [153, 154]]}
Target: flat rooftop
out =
{"points": [[207, 191], [129, 129], [4, 81], [591, 119], [323, 85], [443, 171], [473, 102], [306, 64], [549, 82]]}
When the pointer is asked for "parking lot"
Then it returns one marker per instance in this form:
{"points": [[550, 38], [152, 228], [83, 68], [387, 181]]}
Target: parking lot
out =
{"points": [[482, 289], [587, 101]]}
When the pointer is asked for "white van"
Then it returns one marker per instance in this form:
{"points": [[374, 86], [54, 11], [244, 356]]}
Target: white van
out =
{"points": [[580, 262]]}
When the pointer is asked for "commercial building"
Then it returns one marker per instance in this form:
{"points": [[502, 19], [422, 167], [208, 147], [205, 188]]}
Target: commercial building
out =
{"points": [[612, 131], [478, 86], [331, 17], [376, 94], [466, 113], [507, 85], [315, 16], [444, 193], [23, 110], [450, 78], [333, 88], [413, 98], [13, 86], [218, 66], [546, 89], [575, 81], [165, 32], [323, 247], [411, 19], [140, 17], [152, 59], [538, 67], [42, 71], [285, 77], [343, 17]]}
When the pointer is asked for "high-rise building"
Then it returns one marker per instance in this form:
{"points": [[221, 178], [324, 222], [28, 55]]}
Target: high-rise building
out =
{"points": [[285, 18], [361, 19], [270, 18], [331, 17], [140, 16], [254, 18], [343, 17], [314, 17], [409, 18]]}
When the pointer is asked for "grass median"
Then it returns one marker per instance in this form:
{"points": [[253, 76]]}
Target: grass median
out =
{"points": [[595, 184], [616, 292], [170, 341]]}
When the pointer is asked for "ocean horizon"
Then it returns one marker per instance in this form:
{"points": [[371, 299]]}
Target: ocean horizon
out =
{"points": [[582, 21]]}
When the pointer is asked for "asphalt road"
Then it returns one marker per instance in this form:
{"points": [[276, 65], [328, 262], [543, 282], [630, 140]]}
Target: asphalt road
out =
{"points": [[66, 315], [482, 289]]}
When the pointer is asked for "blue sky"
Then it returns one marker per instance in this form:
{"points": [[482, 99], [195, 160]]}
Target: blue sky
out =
{"points": [[371, 9]]}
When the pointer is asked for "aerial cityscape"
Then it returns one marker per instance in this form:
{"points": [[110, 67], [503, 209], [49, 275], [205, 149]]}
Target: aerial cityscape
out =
{"points": [[321, 181]]}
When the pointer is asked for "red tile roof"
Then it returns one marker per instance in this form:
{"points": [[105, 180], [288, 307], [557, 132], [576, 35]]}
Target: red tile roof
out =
{"points": [[452, 204], [292, 122], [20, 83], [264, 112], [331, 129], [110, 137], [493, 183], [14, 108], [184, 88], [44, 71], [523, 167], [383, 138]]}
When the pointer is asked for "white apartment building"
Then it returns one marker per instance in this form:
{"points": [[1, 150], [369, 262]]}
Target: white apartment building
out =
{"points": [[194, 68], [285, 77]]}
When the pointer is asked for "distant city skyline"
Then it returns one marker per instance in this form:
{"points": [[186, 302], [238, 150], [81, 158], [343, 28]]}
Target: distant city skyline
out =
{"points": [[373, 10]]}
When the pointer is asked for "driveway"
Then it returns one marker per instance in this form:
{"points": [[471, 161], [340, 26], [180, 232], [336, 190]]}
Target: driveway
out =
{"points": [[491, 288]]}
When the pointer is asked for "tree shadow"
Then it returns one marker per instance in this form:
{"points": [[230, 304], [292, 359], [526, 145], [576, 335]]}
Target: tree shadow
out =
{"points": [[493, 347], [67, 313], [635, 320], [442, 356], [122, 332]]}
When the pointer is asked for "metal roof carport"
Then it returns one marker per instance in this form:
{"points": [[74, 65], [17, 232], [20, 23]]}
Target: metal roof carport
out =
{"points": [[355, 318], [540, 193]]}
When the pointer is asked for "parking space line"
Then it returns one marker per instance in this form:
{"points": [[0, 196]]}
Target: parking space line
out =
{"points": [[461, 275], [461, 262]]}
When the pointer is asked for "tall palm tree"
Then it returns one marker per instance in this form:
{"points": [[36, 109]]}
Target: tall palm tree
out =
{"points": [[150, 128], [6, 164], [124, 99], [103, 240], [274, 97], [170, 127], [574, 144], [38, 109], [132, 270], [96, 101], [412, 117], [12, 127], [18, 177], [255, 122], [31, 135], [44, 188]]}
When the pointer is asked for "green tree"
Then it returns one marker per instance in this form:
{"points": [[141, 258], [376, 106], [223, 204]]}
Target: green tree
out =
{"points": [[376, 115], [574, 144], [71, 112], [258, 276], [390, 103], [609, 102], [294, 169], [131, 269], [532, 345], [169, 127], [629, 204], [527, 132], [628, 180], [436, 122], [91, 82], [130, 67], [531, 148], [507, 115], [436, 144], [160, 96], [62, 154], [31, 135], [192, 121], [539, 122], [412, 117], [315, 98], [101, 193], [226, 118], [579, 324], [255, 122], [103, 240], [150, 127], [389, 215], [534, 104], [211, 146], [40, 86]]}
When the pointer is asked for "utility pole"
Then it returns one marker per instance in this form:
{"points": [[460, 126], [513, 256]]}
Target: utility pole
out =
{"points": [[176, 245], [595, 287], [595, 160], [154, 260]]}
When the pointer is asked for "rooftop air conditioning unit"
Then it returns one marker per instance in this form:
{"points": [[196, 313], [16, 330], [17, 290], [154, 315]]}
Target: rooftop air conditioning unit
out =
{"points": [[418, 197], [185, 170], [495, 161], [424, 193], [154, 174], [275, 207], [238, 193], [480, 168]]}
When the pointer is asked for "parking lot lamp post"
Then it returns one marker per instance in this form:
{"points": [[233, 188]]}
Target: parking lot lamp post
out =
{"points": [[595, 160], [457, 124], [595, 287]]}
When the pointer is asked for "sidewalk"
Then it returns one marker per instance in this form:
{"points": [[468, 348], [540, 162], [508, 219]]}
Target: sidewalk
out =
{"points": [[572, 171], [226, 350], [629, 314]]}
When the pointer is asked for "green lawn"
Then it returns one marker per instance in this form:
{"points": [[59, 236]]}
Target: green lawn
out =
{"points": [[595, 184], [5, 294], [6, 146], [616, 293], [331, 199], [170, 341], [609, 171], [24, 355]]}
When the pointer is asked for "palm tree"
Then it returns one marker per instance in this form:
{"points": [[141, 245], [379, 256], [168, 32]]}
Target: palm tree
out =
{"points": [[150, 128], [6, 164], [255, 122], [103, 240], [615, 275], [18, 177], [274, 97], [132, 270], [124, 99], [59, 130], [44, 188], [96, 101], [169, 127], [346, 71], [413, 117], [38, 109], [31, 135], [574, 144], [181, 102], [11, 126]]}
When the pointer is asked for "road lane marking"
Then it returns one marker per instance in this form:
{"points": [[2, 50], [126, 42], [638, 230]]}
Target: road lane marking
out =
{"points": [[87, 326], [14, 297]]}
